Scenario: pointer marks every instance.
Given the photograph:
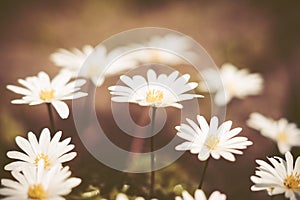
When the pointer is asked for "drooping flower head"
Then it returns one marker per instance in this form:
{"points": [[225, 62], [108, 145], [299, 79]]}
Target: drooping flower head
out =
{"points": [[39, 184], [93, 63], [281, 176], [199, 195], [40, 89], [285, 134], [156, 91], [211, 140], [234, 83], [51, 151]]}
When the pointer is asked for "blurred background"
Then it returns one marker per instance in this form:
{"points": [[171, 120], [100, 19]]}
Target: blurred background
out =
{"points": [[260, 35]]}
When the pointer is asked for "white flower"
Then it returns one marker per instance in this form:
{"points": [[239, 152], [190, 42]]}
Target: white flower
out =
{"points": [[199, 195], [165, 49], [210, 139], [51, 151], [233, 83], [157, 91], [93, 63], [279, 177], [40, 89], [283, 133], [71, 60], [39, 184], [122, 196]]}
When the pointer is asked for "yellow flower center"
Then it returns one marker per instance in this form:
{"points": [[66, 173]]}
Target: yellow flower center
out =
{"points": [[36, 192], [46, 95], [212, 142], [292, 182], [154, 96], [282, 137], [45, 158], [231, 87]]}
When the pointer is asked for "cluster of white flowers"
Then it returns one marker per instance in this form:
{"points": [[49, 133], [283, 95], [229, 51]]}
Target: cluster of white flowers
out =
{"points": [[39, 172]]}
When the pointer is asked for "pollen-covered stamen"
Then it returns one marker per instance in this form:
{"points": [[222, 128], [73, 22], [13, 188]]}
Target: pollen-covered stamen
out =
{"points": [[46, 95], [154, 96], [36, 192], [212, 142], [45, 158], [292, 181]]}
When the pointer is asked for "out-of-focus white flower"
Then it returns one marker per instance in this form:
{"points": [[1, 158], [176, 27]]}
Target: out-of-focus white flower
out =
{"points": [[285, 134], [71, 60], [281, 176], [39, 184], [156, 91], [122, 196], [199, 195], [93, 63], [40, 89], [169, 49], [211, 140], [232, 83], [51, 151]]}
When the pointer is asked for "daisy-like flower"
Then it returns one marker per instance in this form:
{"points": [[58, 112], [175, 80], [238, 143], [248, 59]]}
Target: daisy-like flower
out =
{"points": [[211, 140], [122, 196], [281, 176], [234, 83], [51, 151], [39, 184], [156, 91], [199, 195], [163, 49], [71, 60], [285, 134], [40, 89], [93, 63]]}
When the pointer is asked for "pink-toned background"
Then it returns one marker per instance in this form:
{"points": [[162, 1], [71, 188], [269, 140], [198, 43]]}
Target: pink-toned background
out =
{"points": [[262, 36]]}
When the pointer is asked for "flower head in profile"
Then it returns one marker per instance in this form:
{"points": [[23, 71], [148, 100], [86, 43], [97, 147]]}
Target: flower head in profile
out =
{"points": [[39, 184], [233, 83], [51, 151], [93, 63], [211, 140], [199, 195], [281, 176], [156, 91], [40, 89], [285, 134]]}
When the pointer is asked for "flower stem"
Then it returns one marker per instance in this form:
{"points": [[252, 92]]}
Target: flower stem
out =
{"points": [[51, 117], [152, 180], [203, 174]]}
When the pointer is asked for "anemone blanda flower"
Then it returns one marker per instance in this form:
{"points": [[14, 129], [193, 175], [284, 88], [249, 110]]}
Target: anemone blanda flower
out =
{"points": [[93, 63], [40, 89], [156, 91], [233, 83], [51, 151], [39, 184], [285, 134], [199, 195], [281, 176], [211, 140], [122, 196], [71, 60], [164, 49]]}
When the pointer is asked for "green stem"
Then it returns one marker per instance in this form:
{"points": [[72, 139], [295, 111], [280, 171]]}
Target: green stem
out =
{"points": [[203, 174], [51, 117], [152, 180]]}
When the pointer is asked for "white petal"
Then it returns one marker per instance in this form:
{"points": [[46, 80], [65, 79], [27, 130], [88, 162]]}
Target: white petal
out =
{"points": [[61, 108]]}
